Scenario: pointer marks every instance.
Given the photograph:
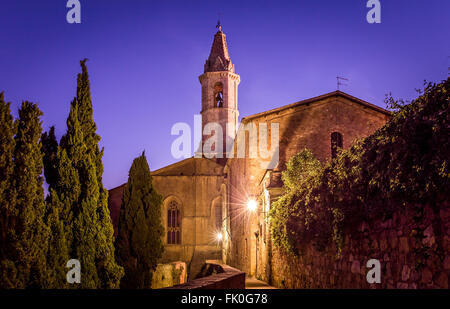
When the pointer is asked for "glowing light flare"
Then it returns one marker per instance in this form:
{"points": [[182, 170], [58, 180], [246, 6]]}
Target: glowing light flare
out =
{"points": [[252, 205], [219, 237]]}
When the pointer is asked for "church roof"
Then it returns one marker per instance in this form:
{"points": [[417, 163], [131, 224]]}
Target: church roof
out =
{"points": [[191, 167], [219, 59], [187, 167], [336, 93]]}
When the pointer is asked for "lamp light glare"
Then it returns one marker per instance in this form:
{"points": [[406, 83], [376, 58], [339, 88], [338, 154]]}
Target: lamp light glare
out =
{"points": [[219, 237], [252, 205]]}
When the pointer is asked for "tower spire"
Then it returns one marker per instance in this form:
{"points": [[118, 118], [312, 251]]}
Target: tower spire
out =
{"points": [[219, 59], [219, 101]]}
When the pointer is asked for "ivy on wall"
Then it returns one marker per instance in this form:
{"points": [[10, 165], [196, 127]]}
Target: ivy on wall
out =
{"points": [[403, 163]]}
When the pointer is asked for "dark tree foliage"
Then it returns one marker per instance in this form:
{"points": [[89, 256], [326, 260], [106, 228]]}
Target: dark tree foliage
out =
{"points": [[6, 166], [403, 164], [38, 237], [58, 245], [7, 211], [28, 229], [91, 173], [80, 198], [50, 148], [139, 244], [58, 216]]}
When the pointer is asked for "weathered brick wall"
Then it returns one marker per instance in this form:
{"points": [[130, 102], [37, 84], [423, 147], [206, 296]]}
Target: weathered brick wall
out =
{"points": [[407, 259]]}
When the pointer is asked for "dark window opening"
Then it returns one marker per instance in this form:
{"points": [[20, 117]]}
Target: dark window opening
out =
{"points": [[218, 95], [173, 224], [219, 99], [336, 142]]}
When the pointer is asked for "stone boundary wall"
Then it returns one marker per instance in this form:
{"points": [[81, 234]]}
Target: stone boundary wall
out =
{"points": [[169, 274], [230, 278], [413, 250]]}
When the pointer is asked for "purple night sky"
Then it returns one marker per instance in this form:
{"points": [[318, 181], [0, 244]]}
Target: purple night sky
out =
{"points": [[145, 58]]}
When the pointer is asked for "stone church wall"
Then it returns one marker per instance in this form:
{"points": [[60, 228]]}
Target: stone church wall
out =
{"points": [[195, 194]]}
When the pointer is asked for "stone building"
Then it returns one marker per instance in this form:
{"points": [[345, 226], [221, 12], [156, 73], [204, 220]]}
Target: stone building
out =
{"points": [[206, 197], [320, 124]]}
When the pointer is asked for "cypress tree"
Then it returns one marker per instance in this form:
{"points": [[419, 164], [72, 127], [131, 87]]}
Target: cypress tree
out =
{"points": [[139, 244], [61, 205], [7, 267], [28, 228], [6, 166], [58, 246], [80, 170], [58, 215]]}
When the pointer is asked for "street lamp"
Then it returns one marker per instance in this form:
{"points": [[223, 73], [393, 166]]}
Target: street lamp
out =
{"points": [[219, 236], [252, 205]]}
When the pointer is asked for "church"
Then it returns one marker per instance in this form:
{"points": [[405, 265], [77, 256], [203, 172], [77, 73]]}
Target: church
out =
{"points": [[216, 208]]}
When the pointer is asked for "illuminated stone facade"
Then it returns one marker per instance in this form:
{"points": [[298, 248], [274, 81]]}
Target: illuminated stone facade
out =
{"points": [[208, 196]]}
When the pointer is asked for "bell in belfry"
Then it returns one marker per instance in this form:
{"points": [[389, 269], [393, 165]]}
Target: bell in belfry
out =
{"points": [[219, 100]]}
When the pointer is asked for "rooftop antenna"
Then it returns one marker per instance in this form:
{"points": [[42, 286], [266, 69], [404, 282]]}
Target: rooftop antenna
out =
{"points": [[218, 23], [339, 80]]}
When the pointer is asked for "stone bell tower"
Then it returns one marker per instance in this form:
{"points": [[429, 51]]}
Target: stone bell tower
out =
{"points": [[219, 97]]}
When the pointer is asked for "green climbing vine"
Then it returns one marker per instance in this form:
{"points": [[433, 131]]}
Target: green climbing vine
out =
{"points": [[403, 163]]}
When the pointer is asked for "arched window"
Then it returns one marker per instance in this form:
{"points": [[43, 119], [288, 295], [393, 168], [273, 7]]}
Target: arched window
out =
{"points": [[336, 142], [218, 95], [173, 224]]}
